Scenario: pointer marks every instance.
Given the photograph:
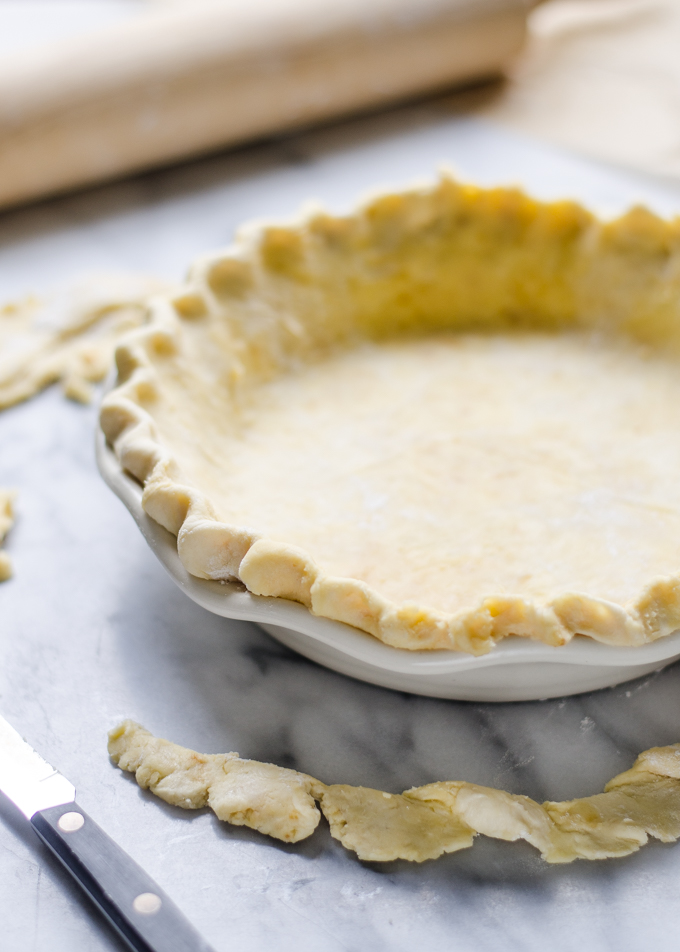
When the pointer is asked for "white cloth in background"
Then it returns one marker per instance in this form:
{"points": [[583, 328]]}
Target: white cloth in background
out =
{"points": [[601, 77]]}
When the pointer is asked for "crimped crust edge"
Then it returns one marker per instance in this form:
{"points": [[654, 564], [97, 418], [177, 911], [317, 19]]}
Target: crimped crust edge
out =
{"points": [[215, 550]]}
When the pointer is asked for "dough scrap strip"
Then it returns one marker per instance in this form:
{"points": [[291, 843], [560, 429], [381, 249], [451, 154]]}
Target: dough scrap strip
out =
{"points": [[77, 351], [6, 523], [420, 824]]}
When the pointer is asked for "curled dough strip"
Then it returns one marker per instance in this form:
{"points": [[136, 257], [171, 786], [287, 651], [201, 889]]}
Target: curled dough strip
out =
{"points": [[419, 824]]}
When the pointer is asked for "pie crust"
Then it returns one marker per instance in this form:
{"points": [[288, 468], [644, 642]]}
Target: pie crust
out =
{"points": [[447, 418]]}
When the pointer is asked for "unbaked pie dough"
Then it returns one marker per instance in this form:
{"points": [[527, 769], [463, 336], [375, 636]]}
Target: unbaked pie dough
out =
{"points": [[6, 523], [70, 336], [447, 418], [419, 824]]}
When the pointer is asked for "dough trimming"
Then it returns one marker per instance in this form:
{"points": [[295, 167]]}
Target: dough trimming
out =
{"points": [[421, 823], [6, 523]]}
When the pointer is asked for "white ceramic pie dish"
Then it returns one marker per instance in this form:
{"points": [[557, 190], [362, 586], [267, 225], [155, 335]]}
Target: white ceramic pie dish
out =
{"points": [[516, 669]]}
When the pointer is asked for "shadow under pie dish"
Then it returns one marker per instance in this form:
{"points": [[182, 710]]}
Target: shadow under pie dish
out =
{"points": [[447, 419]]}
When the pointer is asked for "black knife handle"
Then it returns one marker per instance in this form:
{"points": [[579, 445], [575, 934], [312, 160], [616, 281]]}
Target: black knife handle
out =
{"points": [[132, 902]]}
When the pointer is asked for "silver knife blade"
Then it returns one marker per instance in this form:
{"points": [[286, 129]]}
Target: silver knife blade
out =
{"points": [[29, 781]]}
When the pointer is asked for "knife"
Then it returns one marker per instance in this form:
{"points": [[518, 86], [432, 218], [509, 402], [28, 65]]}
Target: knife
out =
{"points": [[132, 902]]}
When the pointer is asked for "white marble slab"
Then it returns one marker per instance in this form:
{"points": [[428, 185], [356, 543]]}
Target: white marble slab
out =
{"points": [[91, 630]]}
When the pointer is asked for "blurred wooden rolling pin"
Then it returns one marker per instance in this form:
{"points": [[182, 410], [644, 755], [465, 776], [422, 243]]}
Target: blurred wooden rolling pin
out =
{"points": [[177, 80]]}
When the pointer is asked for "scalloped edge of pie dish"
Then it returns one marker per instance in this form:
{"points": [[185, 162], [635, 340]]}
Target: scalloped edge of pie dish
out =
{"points": [[238, 285], [517, 670]]}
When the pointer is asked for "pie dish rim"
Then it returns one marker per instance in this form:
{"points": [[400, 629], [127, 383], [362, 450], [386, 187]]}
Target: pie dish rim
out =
{"points": [[444, 673]]}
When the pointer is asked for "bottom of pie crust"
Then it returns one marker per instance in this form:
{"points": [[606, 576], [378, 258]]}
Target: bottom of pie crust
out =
{"points": [[444, 469]]}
